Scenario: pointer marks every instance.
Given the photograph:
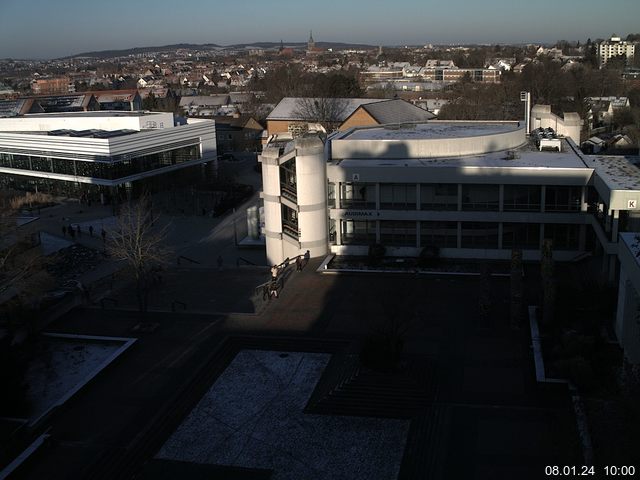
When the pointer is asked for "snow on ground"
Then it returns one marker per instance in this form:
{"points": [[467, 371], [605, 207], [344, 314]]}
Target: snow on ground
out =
{"points": [[253, 417], [59, 365]]}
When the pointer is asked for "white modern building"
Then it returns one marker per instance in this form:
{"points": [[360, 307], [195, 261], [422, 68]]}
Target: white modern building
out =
{"points": [[471, 190], [614, 47], [102, 153]]}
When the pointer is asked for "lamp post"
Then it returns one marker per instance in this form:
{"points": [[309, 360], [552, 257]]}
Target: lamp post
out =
{"points": [[526, 98]]}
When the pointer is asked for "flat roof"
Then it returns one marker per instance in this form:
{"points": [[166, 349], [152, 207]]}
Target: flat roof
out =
{"points": [[430, 130], [617, 172], [97, 113]]}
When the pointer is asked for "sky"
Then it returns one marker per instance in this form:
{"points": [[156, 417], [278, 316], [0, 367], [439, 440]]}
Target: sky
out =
{"points": [[55, 28]]}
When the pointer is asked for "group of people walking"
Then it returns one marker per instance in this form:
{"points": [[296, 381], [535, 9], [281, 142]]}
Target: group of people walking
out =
{"points": [[271, 288], [72, 231]]}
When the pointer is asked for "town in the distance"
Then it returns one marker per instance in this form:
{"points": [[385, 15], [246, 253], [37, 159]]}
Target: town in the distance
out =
{"points": [[321, 260]]}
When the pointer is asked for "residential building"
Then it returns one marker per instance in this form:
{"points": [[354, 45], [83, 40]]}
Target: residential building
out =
{"points": [[106, 155], [615, 47], [238, 133], [120, 100], [53, 85]]}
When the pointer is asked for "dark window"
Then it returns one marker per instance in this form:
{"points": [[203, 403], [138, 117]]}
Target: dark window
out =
{"points": [[480, 197], [563, 236], [439, 234], [522, 198], [479, 235], [398, 233], [521, 235], [358, 232], [439, 196], [398, 196], [562, 199], [358, 195]]}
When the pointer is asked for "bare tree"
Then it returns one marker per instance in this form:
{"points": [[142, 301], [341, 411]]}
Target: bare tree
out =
{"points": [[22, 266], [141, 244], [327, 111]]}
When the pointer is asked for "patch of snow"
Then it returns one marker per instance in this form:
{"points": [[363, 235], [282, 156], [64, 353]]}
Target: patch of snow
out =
{"points": [[59, 366], [253, 417]]}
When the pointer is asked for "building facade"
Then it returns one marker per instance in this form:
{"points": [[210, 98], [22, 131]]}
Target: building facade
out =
{"points": [[106, 155], [614, 47]]}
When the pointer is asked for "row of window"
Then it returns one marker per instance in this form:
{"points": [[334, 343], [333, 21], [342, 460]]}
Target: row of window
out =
{"points": [[445, 234], [516, 198], [103, 170]]}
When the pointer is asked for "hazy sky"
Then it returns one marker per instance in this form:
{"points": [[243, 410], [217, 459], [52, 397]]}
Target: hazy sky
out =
{"points": [[54, 28]]}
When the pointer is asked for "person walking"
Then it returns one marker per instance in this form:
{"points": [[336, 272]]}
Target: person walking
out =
{"points": [[64, 230], [79, 231], [91, 231], [274, 272], [298, 264], [307, 256], [72, 232], [104, 235]]}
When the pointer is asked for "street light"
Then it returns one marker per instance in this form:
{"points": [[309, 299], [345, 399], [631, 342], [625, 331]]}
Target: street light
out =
{"points": [[526, 98]]}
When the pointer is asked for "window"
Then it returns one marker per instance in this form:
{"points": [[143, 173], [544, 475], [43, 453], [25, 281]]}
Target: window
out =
{"points": [[522, 198], [398, 233], [358, 195], [331, 195], [439, 234], [479, 235], [439, 196], [288, 184], [521, 235], [358, 232], [562, 199], [398, 196], [290, 221], [480, 197], [563, 236]]}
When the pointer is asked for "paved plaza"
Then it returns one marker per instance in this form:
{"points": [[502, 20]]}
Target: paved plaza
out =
{"points": [[474, 409]]}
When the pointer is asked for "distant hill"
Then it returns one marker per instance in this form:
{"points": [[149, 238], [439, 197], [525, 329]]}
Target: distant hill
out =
{"points": [[213, 46], [138, 50]]}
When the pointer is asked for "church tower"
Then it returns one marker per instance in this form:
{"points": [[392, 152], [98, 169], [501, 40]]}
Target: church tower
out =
{"points": [[311, 44]]}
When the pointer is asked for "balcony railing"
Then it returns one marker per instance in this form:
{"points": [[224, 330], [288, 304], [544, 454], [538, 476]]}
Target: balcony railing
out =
{"points": [[289, 192], [291, 229]]}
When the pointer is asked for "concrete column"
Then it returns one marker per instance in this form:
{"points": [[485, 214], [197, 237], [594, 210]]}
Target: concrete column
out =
{"points": [[459, 200], [418, 196], [623, 285], [338, 232], [272, 205], [583, 199], [311, 178], [459, 239], [543, 197], [338, 188], [607, 221], [377, 196], [500, 231], [614, 225], [501, 200]]}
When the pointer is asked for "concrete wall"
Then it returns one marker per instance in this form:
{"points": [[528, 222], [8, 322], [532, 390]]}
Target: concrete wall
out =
{"points": [[627, 327], [75, 121], [427, 148], [569, 126]]}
